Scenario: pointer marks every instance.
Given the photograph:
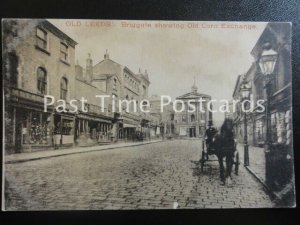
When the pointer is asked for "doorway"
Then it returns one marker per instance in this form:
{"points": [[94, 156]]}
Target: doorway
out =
{"points": [[192, 132]]}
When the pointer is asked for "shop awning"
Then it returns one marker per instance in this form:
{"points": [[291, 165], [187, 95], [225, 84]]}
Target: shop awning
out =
{"points": [[82, 116], [128, 125]]}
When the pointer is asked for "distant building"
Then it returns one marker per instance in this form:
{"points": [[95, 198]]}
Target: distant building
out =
{"points": [[193, 124], [119, 81], [95, 125], [166, 116]]}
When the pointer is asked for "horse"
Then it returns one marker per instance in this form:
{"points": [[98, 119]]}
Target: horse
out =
{"points": [[223, 146]]}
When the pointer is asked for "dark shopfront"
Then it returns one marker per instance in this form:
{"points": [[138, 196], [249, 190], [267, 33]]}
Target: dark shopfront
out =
{"points": [[27, 129], [63, 130], [27, 126], [129, 130], [92, 130]]}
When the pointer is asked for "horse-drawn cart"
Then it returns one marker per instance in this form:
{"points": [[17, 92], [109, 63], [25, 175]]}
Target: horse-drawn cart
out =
{"points": [[208, 150]]}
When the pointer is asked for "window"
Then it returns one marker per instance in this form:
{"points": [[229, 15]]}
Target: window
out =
{"points": [[115, 84], [259, 88], [41, 80], [202, 116], [192, 118], [183, 118], [64, 52], [11, 70], [41, 38], [63, 88]]}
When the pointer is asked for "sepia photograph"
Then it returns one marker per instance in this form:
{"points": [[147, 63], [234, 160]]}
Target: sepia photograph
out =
{"points": [[141, 114]]}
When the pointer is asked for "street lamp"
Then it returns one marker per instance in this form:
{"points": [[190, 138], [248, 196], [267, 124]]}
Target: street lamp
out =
{"points": [[245, 94], [267, 64]]}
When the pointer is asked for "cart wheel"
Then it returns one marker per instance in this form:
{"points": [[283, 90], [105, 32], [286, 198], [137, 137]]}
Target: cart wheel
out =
{"points": [[237, 163]]}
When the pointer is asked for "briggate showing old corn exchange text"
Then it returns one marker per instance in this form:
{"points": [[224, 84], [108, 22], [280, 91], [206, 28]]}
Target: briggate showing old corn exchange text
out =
{"points": [[112, 114]]}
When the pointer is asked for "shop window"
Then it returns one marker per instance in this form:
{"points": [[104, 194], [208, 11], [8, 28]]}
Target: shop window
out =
{"points": [[67, 127], [41, 38], [24, 123], [39, 132], [63, 126], [57, 127], [274, 126], [41, 80], [259, 131], [63, 88]]}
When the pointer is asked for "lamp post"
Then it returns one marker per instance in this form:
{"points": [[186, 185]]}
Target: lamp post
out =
{"points": [[267, 63], [245, 94]]}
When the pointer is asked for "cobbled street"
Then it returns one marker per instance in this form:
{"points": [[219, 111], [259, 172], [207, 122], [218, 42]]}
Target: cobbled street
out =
{"points": [[154, 176]]}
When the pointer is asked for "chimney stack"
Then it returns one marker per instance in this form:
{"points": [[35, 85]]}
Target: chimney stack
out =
{"points": [[89, 68], [106, 55]]}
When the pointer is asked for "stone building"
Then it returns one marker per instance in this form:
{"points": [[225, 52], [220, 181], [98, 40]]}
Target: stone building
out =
{"points": [[94, 123], [38, 60], [121, 83], [192, 124], [278, 144]]}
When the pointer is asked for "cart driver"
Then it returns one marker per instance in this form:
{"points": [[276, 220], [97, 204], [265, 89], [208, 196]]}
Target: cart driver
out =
{"points": [[209, 135]]}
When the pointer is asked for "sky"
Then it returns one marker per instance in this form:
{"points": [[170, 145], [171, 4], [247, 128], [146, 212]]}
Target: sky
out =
{"points": [[174, 53]]}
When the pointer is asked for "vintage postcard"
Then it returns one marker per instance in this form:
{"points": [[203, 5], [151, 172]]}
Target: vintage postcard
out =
{"points": [[115, 114]]}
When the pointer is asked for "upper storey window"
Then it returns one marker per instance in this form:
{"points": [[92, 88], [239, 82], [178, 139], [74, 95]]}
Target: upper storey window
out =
{"points": [[41, 38], [63, 88], [115, 84], [41, 80], [64, 52]]}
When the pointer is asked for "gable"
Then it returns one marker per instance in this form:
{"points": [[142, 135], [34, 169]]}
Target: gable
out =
{"points": [[192, 95], [108, 67]]}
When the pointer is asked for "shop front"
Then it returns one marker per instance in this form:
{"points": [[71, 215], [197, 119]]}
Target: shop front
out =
{"points": [[26, 126], [91, 130], [63, 133], [129, 131], [32, 129]]}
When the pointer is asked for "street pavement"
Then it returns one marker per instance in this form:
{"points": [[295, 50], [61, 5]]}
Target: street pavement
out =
{"points": [[257, 160], [162, 175]]}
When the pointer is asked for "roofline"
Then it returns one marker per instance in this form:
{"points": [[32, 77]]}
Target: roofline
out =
{"points": [[76, 79], [56, 31], [236, 84], [202, 95], [143, 77]]}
